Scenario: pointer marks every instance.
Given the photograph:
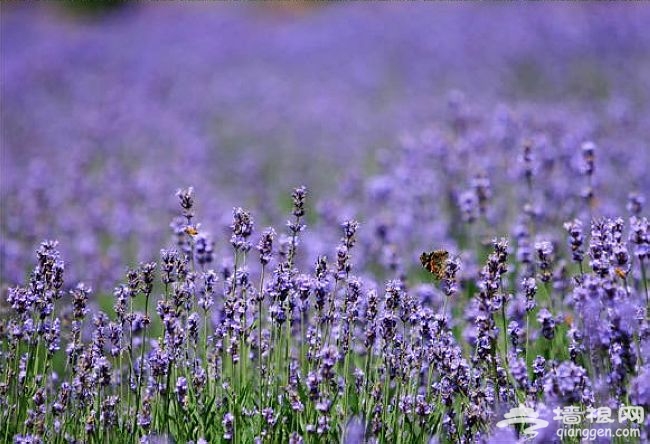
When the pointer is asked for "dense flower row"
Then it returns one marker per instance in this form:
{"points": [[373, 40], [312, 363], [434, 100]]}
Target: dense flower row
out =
{"points": [[312, 355]]}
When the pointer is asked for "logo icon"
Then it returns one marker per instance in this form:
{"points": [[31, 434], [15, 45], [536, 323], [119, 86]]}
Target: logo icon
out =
{"points": [[524, 415]]}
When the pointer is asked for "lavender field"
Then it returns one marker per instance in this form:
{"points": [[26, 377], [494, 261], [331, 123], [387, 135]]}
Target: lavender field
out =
{"points": [[320, 223]]}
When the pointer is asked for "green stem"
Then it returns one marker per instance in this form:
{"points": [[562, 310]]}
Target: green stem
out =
{"points": [[645, 286], [142, 348]]}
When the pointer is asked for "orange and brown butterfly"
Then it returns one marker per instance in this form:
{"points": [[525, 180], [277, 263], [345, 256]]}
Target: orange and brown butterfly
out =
{"points": [[434, 262]]}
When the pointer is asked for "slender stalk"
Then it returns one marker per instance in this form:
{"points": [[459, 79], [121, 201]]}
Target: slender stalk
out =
{"points": [[527, 338], [505, 333], [260, 318], [142, 349], [645, 286]]}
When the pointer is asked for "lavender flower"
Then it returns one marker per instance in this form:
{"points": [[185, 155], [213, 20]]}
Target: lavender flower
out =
{"points": [[635, 204], [242, 228], [181, 390], [545, 318], [265, 246], [544, 259], [186, 197], [228, 426]]}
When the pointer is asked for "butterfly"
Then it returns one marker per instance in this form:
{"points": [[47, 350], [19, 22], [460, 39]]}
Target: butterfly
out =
{"points": [[192, 231], [434, 262]]}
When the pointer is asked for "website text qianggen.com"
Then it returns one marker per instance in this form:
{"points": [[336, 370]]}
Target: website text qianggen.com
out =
{"points": [[592, 434]]}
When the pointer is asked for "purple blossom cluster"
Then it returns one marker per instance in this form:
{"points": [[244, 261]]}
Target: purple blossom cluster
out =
{"points": [[222, 323], [263, 350]]}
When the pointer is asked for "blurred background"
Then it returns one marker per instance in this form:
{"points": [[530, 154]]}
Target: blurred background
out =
{"points": [[107, 110]]}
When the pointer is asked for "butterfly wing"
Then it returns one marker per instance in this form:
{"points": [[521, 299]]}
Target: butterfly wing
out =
{"points": [[439, 257], [425, 259], [434, 262]]}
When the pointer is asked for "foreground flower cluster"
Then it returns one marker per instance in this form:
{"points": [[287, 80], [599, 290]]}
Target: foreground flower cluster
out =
{"points": [[262, 350]]}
